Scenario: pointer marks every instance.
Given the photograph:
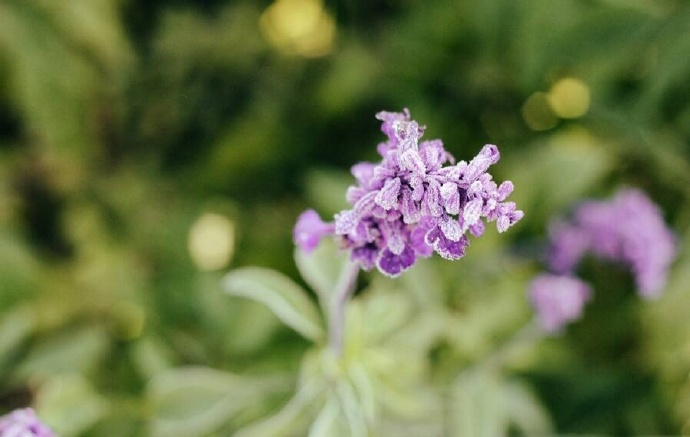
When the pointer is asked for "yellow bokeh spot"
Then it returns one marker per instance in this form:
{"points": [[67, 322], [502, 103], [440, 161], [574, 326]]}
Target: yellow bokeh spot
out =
{"points": [[211, 241], [537, 113], [569, 98], [300, 27]]}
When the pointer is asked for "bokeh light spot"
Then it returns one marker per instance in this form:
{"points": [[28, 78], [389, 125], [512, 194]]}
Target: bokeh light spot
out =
{"points": [[299, 27], [211, 241], [537, 113], [569, 98]]}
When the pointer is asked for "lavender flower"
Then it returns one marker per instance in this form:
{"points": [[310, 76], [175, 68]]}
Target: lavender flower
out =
{"points": [[310, 229], [23, 423], [414, 202], [558, 300], [628, 229]]}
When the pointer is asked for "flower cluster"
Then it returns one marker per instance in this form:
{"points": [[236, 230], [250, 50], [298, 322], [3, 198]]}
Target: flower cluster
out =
{"points": [[23, 423], [414, 202], [628, 229]]}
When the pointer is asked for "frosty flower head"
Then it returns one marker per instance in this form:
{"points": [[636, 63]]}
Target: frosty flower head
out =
{"points": [[558, 300], [23, 423], [628, 229], [417, 200]]}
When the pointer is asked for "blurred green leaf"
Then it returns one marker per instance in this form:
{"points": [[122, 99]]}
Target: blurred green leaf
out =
{"points": [[151, 356], [328, 422], [476, 406], [15, 327], [669, 68], [524, 410], [19, 270], [483, 403], [70, 404], [559, 173], [293, 419], [321, 268], [56, 82], [386, 312], [325, 190], [425, 284], [93, 26], [351, 76], [193, 402], [287, 300], [75, 350], [352, 409]]}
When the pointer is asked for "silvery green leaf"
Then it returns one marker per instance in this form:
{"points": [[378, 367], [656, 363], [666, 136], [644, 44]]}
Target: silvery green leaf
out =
{"points": [[476, 407], [195, 401], [321, 268], [364, 386], [75, 350], [288, 301], [293, 419], [424, 283], [70, 404], [15, 326], [525, 411], [329, 422], [385, 312], [352, 409]]}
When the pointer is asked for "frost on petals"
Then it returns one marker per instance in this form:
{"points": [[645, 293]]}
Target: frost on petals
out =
{"points": [[415, 201]]}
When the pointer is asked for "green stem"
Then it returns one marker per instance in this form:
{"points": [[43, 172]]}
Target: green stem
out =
{"points": [[338, 304]]}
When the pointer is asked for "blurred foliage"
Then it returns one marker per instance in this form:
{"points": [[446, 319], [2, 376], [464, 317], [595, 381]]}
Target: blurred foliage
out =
{"points": [[124, 125]]}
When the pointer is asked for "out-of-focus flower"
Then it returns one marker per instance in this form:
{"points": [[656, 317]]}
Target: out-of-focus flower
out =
{"points": [[628, 229], [310, 229], [23, 423], [558, 300], [417, 200]]}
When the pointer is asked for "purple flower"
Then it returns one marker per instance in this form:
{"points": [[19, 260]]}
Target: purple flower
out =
{"points": [[310, 229], [23, 423], [628, 229], [558, 300], [417, 200]]}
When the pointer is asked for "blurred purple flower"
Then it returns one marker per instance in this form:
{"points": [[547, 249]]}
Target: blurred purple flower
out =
{"points": [[23, 423], [628, 229], [558, 300], [310, 229], [417, 200]]}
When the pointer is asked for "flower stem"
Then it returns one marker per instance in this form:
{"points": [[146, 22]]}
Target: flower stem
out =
{"points": [[338, 303]]}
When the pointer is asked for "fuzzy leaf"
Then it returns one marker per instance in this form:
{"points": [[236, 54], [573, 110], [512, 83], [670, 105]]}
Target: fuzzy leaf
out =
{"points": [[196, 401], [476, 407], [321, 268], [70, 404], [329, 422], [292, 419], [288, 301], [524, 410]]}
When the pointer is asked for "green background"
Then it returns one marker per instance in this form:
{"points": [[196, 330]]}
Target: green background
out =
{"points": [[123, 122]]}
